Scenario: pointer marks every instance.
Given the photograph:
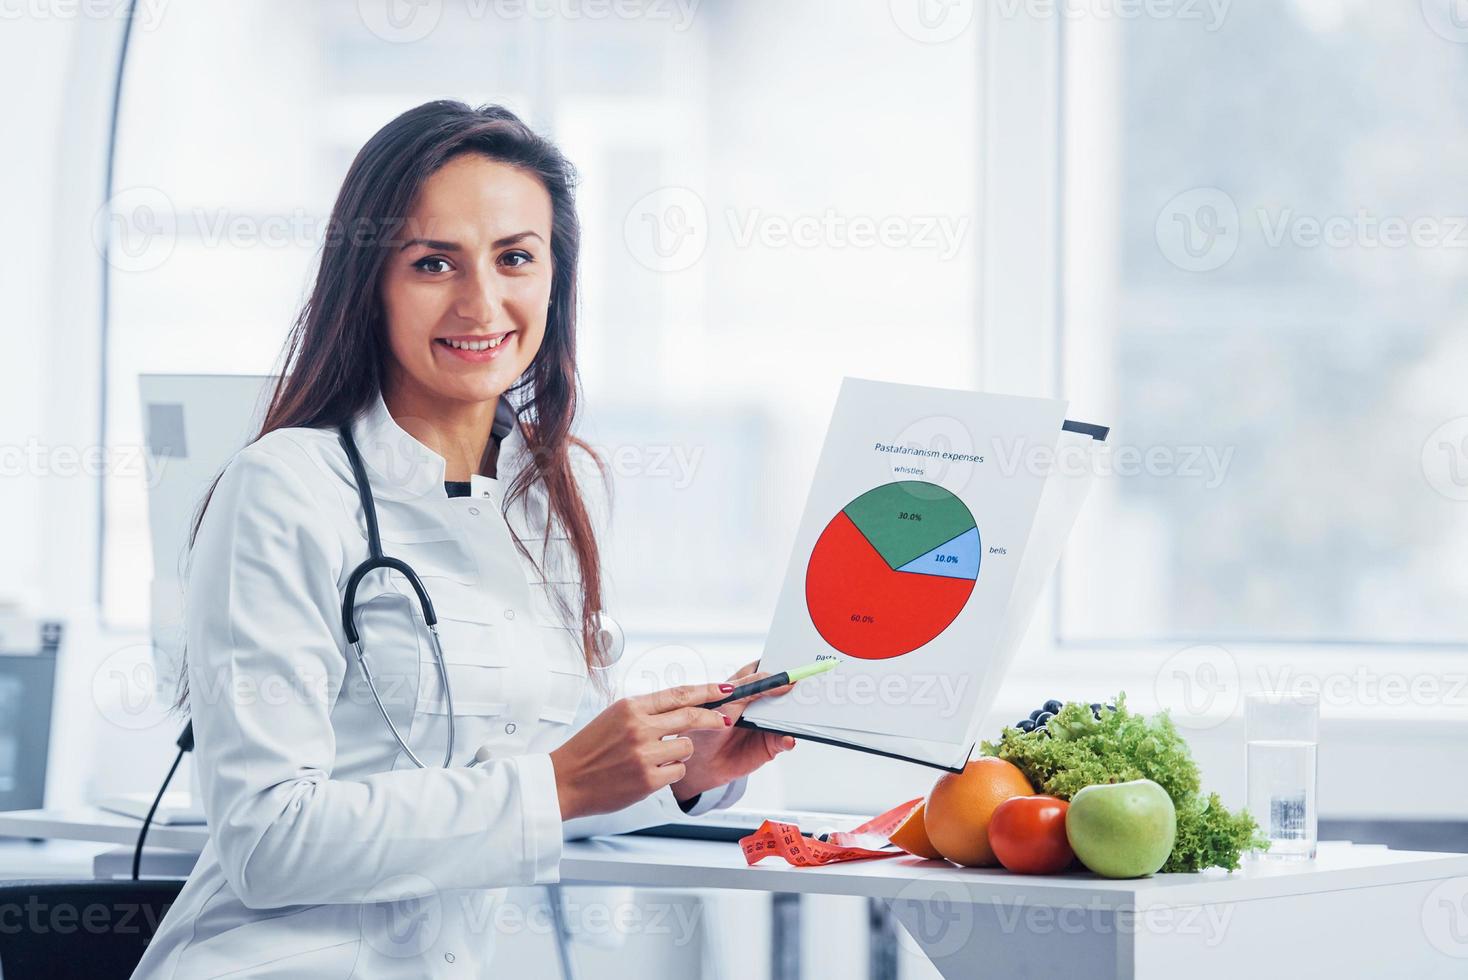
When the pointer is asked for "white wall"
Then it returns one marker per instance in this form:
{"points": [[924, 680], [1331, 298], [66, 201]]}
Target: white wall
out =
{"points": [[33, 60], [56, 70]]}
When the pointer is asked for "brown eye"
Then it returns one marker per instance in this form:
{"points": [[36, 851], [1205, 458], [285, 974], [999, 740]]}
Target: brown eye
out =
{"points": [[517, 258], [432, 260]]}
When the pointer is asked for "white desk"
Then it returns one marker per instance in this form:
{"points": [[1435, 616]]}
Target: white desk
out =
{"points": [[1354, 912]]}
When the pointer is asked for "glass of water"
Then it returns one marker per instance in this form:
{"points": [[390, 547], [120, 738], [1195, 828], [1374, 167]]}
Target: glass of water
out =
{"points": [[1282, 731]]}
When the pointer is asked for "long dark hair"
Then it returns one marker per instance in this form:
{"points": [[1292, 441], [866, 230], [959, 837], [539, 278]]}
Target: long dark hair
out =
{"points": [[335, 358]]}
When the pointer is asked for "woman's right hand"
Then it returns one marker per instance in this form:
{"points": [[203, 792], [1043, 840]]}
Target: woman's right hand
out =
{"points": [[622, 756]]}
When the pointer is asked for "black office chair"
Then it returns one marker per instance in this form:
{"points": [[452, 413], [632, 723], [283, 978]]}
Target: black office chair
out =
{"points": [[93, 929]]}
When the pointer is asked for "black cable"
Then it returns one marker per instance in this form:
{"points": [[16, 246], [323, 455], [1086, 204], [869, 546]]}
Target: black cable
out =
{"points": [[185, 744]]}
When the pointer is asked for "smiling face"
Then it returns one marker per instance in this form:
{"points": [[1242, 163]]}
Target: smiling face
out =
{"points": [[465, 298]]}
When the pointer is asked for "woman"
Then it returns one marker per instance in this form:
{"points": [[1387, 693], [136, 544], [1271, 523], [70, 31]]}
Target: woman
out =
{"points": [[448, 280]]}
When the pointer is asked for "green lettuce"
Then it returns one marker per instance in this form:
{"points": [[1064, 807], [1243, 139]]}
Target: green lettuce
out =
{"points": [[1076, 749]]}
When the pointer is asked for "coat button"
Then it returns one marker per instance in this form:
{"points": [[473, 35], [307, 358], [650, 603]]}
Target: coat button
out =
{"points": [[510, 728], [509, 614], [474, 511], [449, 957]]}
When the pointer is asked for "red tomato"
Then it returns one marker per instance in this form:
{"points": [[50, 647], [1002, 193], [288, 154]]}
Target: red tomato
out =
{"points": [[1027, 834]]}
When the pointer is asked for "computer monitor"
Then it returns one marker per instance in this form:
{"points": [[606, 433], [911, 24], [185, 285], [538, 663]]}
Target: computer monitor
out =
{"points": [[193, 425]]}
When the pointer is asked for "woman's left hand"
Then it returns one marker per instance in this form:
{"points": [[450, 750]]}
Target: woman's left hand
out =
{"points": [[720, 757]]}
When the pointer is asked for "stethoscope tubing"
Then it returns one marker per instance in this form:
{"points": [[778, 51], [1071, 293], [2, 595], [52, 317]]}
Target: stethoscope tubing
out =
{"points": [[377, 560], [609, 632]]}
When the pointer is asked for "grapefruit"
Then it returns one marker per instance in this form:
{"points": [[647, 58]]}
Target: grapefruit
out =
{"points": [[912, 836], [958, 810]]}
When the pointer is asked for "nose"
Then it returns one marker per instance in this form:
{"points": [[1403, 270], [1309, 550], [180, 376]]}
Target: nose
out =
{"points": [[479, 299]]}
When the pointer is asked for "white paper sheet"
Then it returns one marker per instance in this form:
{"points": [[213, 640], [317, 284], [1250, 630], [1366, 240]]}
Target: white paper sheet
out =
{"points": [[884, 557]]}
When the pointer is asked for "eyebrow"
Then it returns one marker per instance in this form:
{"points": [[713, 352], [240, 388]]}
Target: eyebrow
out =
{"points": [[442, 246]]}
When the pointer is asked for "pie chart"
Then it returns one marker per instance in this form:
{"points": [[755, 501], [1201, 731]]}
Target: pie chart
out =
{"points": [[892, 570]]}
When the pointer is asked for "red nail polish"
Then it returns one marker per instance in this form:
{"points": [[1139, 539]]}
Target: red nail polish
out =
{"points": [[728, 721], [726, 688]]}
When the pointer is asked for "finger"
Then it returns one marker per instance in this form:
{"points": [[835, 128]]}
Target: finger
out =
{"points": [[773, 692], [671, 750], [742, 674], [775, 744], [744, 681], [747, 699], [690, 720], [735, 709], [672, 698], [671, 773]]}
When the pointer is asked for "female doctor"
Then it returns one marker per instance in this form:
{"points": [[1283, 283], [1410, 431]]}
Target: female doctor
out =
{"points": [[366, 814]]}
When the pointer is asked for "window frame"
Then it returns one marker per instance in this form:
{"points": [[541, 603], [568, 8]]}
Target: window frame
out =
{"points": [[1024, 324]]}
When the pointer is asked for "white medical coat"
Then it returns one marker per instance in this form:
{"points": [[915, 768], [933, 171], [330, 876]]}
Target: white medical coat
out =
{"points": [[329, 853]]}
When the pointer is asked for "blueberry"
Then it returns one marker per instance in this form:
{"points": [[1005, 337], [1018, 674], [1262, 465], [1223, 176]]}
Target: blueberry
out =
{"points": [[1053, 706], [1036, 713], [1043, 717], [1025, 725]]}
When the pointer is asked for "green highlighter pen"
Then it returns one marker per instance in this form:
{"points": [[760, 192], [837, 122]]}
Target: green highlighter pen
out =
{"points": [[775, 680]]}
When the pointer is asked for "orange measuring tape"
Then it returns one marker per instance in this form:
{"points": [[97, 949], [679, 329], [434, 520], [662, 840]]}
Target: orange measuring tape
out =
{"points": [[870, 840]]}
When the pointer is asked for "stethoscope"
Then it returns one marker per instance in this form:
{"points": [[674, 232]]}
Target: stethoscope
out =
{"points": [[610, 636]]}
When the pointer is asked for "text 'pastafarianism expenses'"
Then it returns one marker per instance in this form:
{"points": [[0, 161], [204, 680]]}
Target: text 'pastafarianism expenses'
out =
{"points": [[882, 447]]}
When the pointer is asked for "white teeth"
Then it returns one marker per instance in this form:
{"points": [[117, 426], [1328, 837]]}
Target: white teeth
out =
{"points": [[476, 345]]}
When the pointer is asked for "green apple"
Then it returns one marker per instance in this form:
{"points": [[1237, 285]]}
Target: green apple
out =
{"points": [[1122, 830]]}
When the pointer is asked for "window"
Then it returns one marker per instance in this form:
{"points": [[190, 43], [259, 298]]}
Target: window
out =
{"points": [[746, 243], [1264, 291]]}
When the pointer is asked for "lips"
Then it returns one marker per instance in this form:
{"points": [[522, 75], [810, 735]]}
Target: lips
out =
{"points": [[475, 348]]}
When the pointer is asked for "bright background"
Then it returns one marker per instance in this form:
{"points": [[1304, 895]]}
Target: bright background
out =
{"points": [[1232, 231]]}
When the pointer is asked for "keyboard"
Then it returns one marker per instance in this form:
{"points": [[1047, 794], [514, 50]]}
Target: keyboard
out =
{"points": [[738, 822]]}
